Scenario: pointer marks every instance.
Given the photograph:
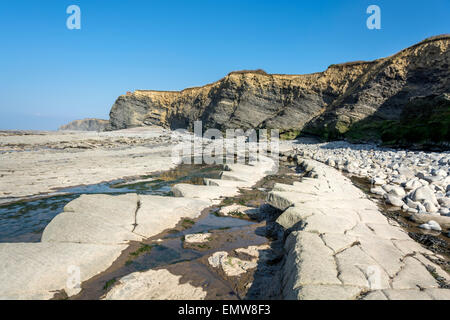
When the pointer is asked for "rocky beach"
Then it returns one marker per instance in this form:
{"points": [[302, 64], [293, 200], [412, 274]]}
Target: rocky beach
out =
{"points": [[353, 203], [323, 238]]}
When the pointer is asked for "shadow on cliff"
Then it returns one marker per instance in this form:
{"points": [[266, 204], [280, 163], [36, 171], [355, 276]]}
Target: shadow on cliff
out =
{"points": [[421, 124]]}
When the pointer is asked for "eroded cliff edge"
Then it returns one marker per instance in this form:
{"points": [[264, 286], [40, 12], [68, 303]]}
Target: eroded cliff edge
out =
{"points": [[326, 103]]}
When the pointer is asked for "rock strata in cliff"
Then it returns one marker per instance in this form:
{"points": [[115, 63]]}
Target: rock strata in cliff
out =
{"points": [[318, 103], [86, 125]]}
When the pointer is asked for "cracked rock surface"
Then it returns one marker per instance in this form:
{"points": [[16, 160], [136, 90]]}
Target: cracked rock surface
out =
{"points": [[339, 246], [91, 234]]}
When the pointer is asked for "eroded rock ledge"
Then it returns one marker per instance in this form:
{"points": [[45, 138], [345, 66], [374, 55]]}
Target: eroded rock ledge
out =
{"points": [[339, 246], [323, 103], [92, 232]]}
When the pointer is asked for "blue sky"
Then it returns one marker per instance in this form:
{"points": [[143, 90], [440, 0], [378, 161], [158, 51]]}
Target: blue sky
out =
{"points": [[50, 75]]}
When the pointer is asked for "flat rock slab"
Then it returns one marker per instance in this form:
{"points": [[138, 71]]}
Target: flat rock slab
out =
{"points": [[154, 285], [309, 261], [90, 235], [65, 162], [208, 193], [226, 183], [100, 219], [119, 210], [39, 270], [340, 246], [235, 266], [325, 292], [157, 213], [249, 174], [414, 275]]}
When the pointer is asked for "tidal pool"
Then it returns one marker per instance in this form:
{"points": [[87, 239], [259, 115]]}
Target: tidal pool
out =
{"points": [[26, 219]]}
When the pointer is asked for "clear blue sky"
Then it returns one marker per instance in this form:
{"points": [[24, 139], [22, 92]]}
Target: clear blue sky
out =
{"points": [[50, 75]]}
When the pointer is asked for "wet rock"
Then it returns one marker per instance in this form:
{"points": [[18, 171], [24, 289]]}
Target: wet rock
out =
{"points": [[197, 238], [443, 221], [216, 259], [433, 243], [238, 209], [431, 225], [152, 208], [259, 252], [232, 266]]}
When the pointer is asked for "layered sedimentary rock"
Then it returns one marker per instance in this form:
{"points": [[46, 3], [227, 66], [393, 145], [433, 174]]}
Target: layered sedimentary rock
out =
{"points": [[340, 246], [332, 100], [86, 125]]}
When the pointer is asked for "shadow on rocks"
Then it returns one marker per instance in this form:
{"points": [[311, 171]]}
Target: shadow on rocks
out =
{"points": [[266, 283]]}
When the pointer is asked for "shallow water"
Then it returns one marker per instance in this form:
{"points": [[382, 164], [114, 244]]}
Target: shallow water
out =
{"points": [[169, 251], [189, 260], [25, 220]]}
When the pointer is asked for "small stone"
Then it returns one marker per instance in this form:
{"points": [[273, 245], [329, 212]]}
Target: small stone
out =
{"points": [[397, 191], [197, 238], [431, 225], [412, 184], [394, 201], [216, 259], [429, 207], [444, 202], [378, 181], [425, 226], [377, 190], [434, 225]]}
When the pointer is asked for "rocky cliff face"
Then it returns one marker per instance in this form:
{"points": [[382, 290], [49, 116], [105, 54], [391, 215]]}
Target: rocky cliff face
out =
{"points": [[332, 100], [86, 125]]}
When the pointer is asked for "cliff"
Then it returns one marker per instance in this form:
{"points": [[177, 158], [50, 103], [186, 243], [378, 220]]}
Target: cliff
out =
{"points": [[86, 125], [326, 103]]}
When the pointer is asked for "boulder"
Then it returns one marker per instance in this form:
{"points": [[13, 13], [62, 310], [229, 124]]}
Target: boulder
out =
{"points": [[422, 194], [393, 200]]}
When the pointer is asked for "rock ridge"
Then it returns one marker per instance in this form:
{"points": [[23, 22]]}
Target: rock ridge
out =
{"points": [[315, 103]]}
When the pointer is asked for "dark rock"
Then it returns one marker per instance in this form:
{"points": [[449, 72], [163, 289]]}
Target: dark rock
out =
{"points": [[86, 125]]}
